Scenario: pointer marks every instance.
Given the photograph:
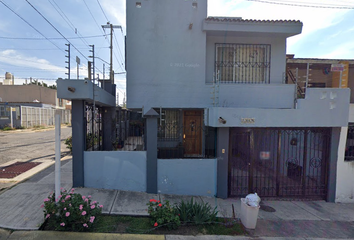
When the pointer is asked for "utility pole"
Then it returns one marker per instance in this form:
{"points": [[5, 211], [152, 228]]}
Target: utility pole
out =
{"points": [[68, 62], [111, 26]]}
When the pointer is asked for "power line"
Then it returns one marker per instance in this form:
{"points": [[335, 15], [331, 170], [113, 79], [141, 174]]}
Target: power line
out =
{"points": [[27, 38], [31, 25], [56, 29], [121, 55], [312, 5], [70, 23], [102, 10]]}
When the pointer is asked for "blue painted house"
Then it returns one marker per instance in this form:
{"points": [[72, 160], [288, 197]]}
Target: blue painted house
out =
{"points": [[220, 118]]}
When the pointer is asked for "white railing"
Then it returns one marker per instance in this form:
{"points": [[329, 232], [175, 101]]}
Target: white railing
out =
{"points": [[34, 116]]}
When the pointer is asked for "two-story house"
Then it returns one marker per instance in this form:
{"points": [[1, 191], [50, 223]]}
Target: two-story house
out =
{"points": [[217, 88]]}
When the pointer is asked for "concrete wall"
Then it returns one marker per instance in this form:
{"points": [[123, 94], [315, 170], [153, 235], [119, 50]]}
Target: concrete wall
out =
{"points": [[115, 170], [187, 176], [28, 93], [83, 90], [320, 108], [165, 59]]}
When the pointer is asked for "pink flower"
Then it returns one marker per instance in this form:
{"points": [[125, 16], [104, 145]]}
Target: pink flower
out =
{"points": [[46, 200], [65, 209], [92, 219], [67, 214], [83, 197], [62, 224], [92, 206], [89, 196], [86, 200], [48, 216], [156, 224], [101, 206], [81, 207], [42, 206], [83, 213], [59, 196], [62, 200], [94, 202], [85, 225], [69, 204], [67, 197]]}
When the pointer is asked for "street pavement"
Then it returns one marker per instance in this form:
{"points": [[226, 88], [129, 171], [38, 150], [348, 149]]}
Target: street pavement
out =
{"points": [[312, 220]]}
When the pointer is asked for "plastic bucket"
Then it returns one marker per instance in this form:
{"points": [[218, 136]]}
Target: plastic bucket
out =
{"points": [[249, 215]]}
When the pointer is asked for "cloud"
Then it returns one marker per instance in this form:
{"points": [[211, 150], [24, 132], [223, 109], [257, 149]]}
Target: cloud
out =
{"points": [[116, 10], [342, 51], [313, 19], [14, 58]]}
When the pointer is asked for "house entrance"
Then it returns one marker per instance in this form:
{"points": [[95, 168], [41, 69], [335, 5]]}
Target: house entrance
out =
{"points": [[192, 133], [279, 162]]}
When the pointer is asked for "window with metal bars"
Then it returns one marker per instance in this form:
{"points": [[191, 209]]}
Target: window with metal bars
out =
{"points": [[349, 148], [242, 63], [169, 125]]}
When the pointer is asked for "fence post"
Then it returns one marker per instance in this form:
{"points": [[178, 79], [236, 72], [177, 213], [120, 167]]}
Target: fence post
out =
{"points": [[57, 154], [151, 151]]}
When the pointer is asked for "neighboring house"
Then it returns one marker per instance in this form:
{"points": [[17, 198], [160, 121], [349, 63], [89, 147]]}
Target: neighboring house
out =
{"points": [[220, 118], [316, 73], [220, 81], [30, 105], [31, 93]]}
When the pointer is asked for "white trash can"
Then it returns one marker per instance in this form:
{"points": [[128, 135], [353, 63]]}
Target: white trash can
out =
{"points": [[249, 214]]}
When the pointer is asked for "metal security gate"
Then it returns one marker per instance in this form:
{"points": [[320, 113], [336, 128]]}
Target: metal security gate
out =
{"points": [[279, 162]]}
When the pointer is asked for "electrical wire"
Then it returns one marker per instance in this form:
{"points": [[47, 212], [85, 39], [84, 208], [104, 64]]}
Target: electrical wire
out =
{"points": [[102, 10], [71, 24], [311, 5], [56, 29], [27, 38], [31, 25]]}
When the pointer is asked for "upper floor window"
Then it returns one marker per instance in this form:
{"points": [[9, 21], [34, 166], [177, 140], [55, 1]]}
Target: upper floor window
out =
{"points": [[243, 63]]}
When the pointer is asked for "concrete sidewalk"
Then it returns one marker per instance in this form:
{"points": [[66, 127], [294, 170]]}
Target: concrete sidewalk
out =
{"points": [[20, 210]]}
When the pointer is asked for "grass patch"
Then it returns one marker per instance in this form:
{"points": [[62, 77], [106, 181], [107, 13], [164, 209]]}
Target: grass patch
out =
{"points": [[223, 227]]}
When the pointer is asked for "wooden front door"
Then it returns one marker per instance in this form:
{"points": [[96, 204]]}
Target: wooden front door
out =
{"points": [[192, 133]]}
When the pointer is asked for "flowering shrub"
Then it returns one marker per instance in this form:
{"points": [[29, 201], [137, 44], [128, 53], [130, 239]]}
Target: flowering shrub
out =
{"points": [[72, 212], [162, 214]]}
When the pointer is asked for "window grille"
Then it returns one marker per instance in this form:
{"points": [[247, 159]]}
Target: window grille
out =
{"points": [[169, 125], [349, 148], [243, 63]]}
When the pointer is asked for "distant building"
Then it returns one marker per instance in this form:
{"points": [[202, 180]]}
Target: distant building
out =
{"points": [[9, 79]]}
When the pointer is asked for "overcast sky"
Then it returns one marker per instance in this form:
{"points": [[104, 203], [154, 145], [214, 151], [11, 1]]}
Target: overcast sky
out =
{"points": [[36, 47]]}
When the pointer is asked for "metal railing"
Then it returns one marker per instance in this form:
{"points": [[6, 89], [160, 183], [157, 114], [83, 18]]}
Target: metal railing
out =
{"points": [[34, 116]]}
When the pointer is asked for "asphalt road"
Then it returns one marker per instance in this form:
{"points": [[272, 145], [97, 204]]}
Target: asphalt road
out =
{"points": [[29, 145]]}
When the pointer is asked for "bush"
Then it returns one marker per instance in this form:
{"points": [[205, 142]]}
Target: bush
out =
{"points": [[196, 213], [69, 143], [162, 214], [72, 212]]}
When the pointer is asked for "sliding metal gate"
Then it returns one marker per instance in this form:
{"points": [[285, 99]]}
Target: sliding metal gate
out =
{"points": [[279, 162]]}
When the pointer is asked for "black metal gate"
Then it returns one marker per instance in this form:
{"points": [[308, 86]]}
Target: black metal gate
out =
{"points": [[279, 162], [93, 125]]}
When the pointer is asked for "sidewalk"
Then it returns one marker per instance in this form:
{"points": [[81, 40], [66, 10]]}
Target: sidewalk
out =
{"points": [[20, 210]]}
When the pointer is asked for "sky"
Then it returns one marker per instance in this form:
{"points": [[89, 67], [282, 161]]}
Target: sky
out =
{"points": [[33, 33]]}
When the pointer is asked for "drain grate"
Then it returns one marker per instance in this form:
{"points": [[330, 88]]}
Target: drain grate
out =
{"points": [[16, 169]]}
